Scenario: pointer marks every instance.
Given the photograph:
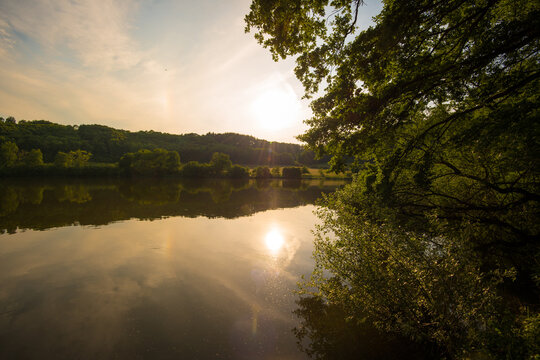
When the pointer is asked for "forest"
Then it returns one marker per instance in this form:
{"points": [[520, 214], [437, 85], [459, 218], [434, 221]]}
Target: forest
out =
{"points": [[108, 145]]}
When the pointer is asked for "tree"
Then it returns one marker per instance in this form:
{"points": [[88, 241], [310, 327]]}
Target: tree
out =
{"points": [[79, 158], [438, 105], [262, 172], [307, 157], [292, 172], [151, 162], [194, 169], [238, 172], [8, 154], [221, 163], [125, 162], [32, 158], [431, 82], [62, 160]]}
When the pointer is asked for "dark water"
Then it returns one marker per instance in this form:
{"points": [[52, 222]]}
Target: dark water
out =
{"points": [[153, 269]]}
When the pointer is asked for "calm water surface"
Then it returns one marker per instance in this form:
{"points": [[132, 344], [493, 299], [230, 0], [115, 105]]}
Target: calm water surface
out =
{"points": [[153, 269]]}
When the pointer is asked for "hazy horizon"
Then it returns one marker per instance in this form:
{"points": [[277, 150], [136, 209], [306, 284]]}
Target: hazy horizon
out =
{"points": [[175, 67]]}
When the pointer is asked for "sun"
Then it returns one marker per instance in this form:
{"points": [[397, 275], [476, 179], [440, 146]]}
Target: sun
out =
{"points": [[276, 109]]}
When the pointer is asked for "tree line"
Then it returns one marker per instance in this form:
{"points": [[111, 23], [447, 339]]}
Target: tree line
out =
{"points": [[145, 162], [108, 145]]}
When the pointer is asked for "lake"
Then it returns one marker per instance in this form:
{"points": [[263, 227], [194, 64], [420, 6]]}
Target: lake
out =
{"points": [[153, 269]]}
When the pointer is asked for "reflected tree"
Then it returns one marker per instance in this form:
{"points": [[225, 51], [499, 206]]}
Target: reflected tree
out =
{"points": [[32, 204], [221, 191], [9, 200], [416, 282], [291, 183], [325, 333], [263, 184], [151, 192], [73, 193], [32, 195]]}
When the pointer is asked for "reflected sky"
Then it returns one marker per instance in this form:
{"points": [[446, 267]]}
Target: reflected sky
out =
{"points": [[170, 288]]}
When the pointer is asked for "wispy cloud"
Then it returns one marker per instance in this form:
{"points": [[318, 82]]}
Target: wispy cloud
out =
{"points": [[96, 32], [84, 65], [165, 65], [6, 39]]}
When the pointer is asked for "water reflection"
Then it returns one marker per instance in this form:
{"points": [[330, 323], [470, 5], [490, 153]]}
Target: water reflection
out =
{"points": [[181, 287], [27, 204], [324, 333], [211, 276]]}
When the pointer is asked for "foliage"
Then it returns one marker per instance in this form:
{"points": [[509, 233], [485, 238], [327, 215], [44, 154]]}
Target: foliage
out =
{"points": [[32, 158], [437, 104], [220, 163], [262, 172], [220, 166], [194, 169], [238, 172], [150, 162], [275, 172], [42, 203], [324, 333], [8, 154], [432, 289], [11, 156], [62, 160], [292, 172], [109, 145], [77, 159]]}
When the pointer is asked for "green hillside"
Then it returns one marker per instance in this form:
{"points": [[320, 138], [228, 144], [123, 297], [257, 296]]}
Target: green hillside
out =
{"points": [[108, 144]]}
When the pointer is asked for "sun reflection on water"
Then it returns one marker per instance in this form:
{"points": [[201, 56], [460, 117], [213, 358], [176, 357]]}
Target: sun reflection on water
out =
{"points": [[274, 241]]}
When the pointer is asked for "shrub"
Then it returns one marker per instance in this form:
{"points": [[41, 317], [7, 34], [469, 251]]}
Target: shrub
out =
{"points": [[292, 172], [194, 169], [275, 172], [238, 172], [151, 162], [262, 172]]}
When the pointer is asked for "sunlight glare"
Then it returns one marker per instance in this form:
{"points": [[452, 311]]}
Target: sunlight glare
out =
{"points": [[274, 241], [276, 108]]}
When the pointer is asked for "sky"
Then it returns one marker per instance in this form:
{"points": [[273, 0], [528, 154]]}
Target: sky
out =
{"points": [[162, 65]]}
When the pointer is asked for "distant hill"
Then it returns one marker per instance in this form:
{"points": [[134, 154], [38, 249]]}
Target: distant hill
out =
{"points": [[108, 144]]}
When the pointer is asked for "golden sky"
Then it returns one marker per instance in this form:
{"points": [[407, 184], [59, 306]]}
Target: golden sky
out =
{"points": [[163, 65]]}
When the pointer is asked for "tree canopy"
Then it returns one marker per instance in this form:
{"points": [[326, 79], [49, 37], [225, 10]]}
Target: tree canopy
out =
{"points": [[438, 104], [108, 145]]}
